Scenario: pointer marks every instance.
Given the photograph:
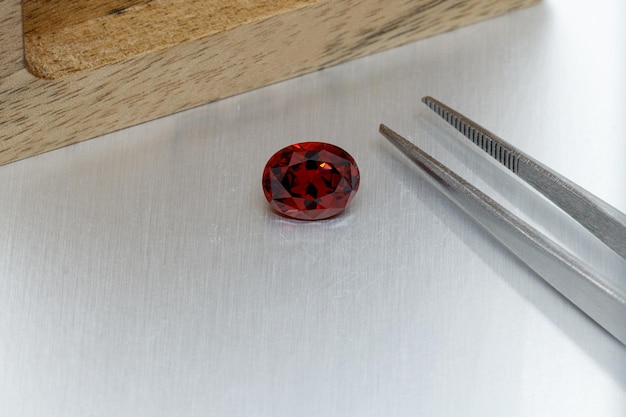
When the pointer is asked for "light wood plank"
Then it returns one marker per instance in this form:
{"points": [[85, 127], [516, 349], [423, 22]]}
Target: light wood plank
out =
{"points": [[108, 89]]}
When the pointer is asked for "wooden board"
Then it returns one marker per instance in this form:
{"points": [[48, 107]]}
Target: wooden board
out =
{"points": [[71, 70]]}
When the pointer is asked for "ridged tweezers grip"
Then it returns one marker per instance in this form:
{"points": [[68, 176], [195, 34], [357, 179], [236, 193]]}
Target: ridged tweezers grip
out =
{"points": [[481, 137], [606, 222], [600, 299]]}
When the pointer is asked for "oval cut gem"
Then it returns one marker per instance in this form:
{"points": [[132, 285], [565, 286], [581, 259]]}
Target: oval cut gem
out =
{"points": [[310, 180]]}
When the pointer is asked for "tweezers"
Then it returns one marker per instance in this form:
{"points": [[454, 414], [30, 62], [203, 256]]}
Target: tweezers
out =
{"points": [[603, 300]]}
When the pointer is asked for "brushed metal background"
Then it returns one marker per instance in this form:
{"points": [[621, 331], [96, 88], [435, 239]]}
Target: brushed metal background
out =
{"points": [[143, 273]]}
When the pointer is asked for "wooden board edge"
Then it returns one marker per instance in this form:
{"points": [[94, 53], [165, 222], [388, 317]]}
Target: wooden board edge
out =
{"points": [[40, 115]]}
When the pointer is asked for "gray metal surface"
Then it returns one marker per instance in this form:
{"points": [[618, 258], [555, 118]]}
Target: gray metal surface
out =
{"points": [[601, 299], [600, 218], [144, 274]]}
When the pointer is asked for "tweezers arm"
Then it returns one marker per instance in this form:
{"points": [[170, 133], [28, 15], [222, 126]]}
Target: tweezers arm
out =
{"points": [[604, 221], [587, 289], [600, 218]]}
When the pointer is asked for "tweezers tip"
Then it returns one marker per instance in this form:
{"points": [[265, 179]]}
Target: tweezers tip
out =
{"points": [[428, 100], [388, 133]]}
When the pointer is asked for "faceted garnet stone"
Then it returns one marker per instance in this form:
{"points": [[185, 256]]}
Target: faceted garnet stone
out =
{"points": [[310, 180]]}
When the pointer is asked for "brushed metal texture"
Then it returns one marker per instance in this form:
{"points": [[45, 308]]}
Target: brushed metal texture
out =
{"points": [[588, 290], [143, 273], [604, 221]]}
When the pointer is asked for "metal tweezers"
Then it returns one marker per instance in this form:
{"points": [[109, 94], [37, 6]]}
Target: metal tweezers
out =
{"points": [[601, 299]]}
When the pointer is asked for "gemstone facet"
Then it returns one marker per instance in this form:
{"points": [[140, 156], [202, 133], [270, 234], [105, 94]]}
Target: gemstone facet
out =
{"points": [[310, 180]]}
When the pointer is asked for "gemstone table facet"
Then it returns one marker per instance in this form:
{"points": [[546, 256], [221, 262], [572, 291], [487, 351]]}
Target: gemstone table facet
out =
{"points": [[310, 180]]}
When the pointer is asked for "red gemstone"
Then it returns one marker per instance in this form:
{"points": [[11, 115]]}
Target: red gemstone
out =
{"points": [[310, 180]]}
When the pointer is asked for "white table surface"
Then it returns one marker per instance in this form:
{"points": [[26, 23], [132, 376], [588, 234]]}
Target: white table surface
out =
{"points": [[143, 273]]}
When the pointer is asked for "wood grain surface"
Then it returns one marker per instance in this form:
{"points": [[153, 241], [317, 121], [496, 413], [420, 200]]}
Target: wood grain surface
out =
{"points": [[73, 70], [62, 37]]}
